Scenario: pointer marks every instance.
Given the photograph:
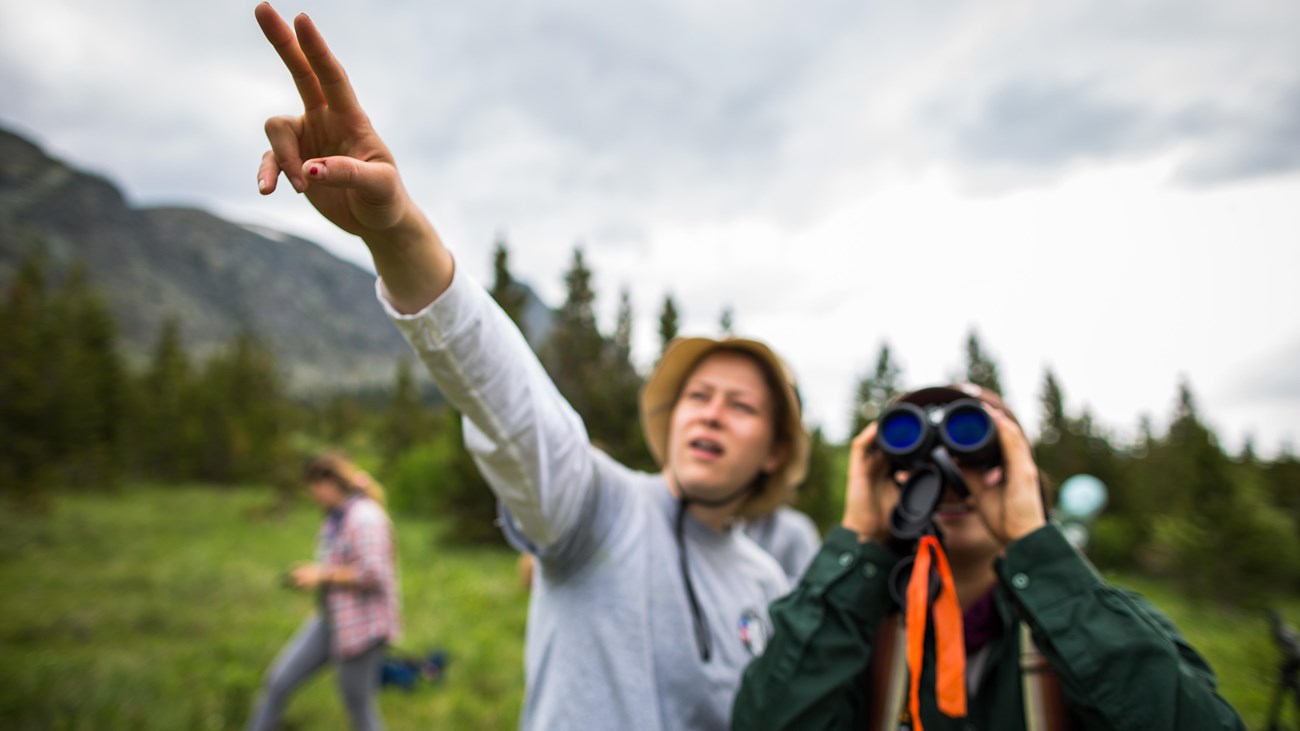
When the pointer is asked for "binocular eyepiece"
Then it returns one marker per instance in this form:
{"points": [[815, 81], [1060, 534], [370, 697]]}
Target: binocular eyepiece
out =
{"points": [[931, 444]]}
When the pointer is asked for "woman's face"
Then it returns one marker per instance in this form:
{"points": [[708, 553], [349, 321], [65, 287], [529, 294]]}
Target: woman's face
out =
{"points": [[326, 493], [722, 432]]}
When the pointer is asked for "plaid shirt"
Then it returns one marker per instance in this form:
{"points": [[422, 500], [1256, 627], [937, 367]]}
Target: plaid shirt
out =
{"points": [[365, 612]]}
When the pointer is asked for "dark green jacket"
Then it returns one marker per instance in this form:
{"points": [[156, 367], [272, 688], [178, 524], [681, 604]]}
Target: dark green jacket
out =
{"points": [[1121, 664]]}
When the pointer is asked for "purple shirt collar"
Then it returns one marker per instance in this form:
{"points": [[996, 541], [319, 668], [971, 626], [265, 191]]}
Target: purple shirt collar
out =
{"points": [[980, 623]]}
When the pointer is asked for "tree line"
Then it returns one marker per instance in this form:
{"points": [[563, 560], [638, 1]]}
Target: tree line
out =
{"points": [[73, 415]]}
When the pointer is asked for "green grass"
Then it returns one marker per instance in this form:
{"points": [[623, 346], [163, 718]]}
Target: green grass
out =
{"points": [[160, 608]]}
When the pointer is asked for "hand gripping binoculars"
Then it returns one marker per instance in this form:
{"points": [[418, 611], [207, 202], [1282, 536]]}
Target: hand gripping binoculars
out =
{"points": [[931, 444]]}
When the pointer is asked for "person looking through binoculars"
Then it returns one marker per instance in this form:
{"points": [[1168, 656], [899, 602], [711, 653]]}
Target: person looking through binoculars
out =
{"points": [[947, 601]]}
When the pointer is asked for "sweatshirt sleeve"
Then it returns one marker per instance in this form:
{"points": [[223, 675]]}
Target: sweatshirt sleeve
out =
{"points": [[812, 675], [1117, 657], [528, 442]]}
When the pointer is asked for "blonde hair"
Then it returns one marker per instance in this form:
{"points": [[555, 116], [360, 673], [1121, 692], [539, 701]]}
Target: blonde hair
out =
{"points": [[337, 468]]}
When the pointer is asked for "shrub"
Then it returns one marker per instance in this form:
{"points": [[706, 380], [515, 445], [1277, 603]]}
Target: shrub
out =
{"points": [[439, 479]]}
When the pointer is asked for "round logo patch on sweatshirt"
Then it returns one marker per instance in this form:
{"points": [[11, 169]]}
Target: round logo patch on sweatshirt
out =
{"points": [[753, 632]]}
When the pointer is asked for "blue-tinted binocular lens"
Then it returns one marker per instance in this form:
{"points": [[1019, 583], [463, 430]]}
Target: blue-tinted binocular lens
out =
{"points": [[908, 433], [966, 427], [902, 430]]}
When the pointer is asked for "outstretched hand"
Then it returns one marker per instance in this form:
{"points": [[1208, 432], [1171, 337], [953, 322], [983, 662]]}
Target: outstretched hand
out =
{"points": [[1007, 498], [332, 154]]}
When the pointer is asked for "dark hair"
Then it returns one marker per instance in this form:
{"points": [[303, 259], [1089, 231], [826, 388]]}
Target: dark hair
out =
{"points": [[335, 467], [324, 467]]}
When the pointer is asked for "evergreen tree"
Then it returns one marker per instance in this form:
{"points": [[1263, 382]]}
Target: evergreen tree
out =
{"points": [[61, 386], [821, 494], [614, 424], [1248, 456], [90, 403], [166, 432], [622, 340], [27, 431], [725, 322], [1281, 476], [1122, 535], [343, 416], [980, 369], [667, 322], [405, 422], [1196, 467], [240, 407], [1052, 423], [507, 292], [874, 392], [1061, 449], [1211, 515], [574, 349]]}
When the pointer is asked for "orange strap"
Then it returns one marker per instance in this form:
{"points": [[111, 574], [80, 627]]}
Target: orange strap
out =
{"points": [[950, 647]]}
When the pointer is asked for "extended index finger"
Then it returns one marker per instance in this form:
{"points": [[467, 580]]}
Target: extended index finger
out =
{"points": [[333, 79], [285, 43]]}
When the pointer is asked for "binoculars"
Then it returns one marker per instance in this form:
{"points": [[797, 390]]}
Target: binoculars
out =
{"points": [[931, 444]]}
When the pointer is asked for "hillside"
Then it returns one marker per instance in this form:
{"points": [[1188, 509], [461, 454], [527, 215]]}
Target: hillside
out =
{"points": [[316, 311]]}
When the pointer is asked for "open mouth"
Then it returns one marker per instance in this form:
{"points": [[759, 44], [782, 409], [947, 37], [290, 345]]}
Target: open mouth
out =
{"points": [[706, 446]]}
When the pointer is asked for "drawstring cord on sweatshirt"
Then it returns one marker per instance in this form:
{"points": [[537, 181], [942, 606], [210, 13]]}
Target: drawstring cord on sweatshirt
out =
{"points": [[703, 634]]}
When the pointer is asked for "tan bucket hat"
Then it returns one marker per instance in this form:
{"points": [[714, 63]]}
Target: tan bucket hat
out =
{"points": [[659, 395]]}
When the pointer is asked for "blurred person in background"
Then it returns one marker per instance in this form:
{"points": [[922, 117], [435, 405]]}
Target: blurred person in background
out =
{"points": [[1025, 632], [354, 578], [647, 602], [789, 535]]}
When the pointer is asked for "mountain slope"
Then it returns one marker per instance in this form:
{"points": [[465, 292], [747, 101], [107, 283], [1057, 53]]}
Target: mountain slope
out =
{"points": [[317, 312]]}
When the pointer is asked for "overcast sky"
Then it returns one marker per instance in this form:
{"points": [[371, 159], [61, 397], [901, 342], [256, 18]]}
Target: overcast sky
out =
{"points": [[1107, 189]]}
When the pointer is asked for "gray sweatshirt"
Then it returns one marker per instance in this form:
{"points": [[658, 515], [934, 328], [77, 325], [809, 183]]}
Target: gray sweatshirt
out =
{"points": [[610, 643]]}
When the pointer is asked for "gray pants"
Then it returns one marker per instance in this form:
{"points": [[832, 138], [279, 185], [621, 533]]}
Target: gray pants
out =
{"points": [[306, 653]]}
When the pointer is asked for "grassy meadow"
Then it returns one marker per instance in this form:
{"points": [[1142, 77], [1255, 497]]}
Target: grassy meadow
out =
{"points": [[160, 608]]}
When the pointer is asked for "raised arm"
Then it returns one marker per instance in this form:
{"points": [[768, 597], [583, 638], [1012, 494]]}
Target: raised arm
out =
{"points": [[526, 439], [332, 154]]}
